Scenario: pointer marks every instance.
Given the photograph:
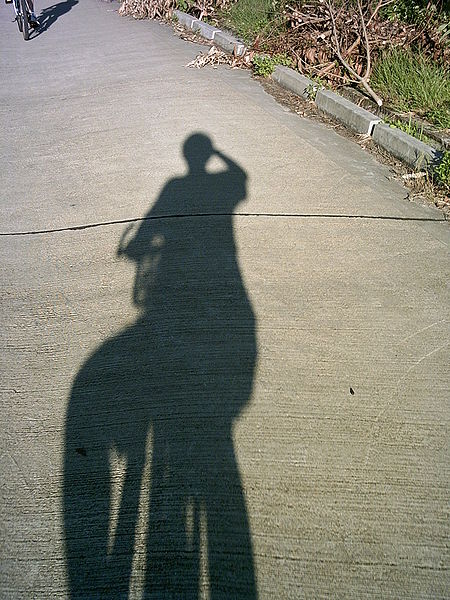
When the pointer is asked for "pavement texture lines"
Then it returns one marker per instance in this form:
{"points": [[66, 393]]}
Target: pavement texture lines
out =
{"points": [[240, 392]]}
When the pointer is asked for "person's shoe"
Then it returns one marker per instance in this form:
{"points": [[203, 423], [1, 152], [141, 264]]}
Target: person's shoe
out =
{"points": [[8, 1]]}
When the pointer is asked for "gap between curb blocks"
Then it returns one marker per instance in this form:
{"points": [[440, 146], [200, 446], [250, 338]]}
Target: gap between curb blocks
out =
{"points": [[408, 149]]}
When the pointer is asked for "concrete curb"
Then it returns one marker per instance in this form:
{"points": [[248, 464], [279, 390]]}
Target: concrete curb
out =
{"points": [[229, 44], [403, 146], [205, 30], [294, 82], [354, 117], [224, 40], [185, 19]]}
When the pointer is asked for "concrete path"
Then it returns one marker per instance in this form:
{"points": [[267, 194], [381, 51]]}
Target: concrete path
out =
{"points": [[224, 335]]}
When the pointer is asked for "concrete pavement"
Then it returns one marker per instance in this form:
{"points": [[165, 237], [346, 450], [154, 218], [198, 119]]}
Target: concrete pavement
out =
{"points": [[234, 383]]}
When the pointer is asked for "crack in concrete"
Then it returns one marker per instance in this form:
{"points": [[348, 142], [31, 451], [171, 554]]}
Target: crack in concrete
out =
{"points": [[210, 215]]}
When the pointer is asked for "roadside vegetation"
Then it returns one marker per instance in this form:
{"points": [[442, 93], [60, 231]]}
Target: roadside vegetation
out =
{"points": [[411, 128], [411, 81], [248, 18], [396, 51]]}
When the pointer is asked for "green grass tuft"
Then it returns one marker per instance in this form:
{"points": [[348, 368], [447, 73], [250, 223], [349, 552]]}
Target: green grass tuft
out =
{"points": [[411, 128], [411, 83], [265, 65]]}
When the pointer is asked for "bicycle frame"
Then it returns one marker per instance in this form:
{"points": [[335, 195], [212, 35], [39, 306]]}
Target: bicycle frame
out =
{"points": [[17, 9]]}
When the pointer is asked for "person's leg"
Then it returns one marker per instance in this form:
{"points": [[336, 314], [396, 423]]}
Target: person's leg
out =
{"points": [[33, 18]]}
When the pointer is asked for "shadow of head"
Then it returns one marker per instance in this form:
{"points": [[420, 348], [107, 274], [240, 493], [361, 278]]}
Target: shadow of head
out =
{"points": [[197, 150]]}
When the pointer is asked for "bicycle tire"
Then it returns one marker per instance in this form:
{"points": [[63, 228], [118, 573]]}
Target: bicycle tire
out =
{"points": [[17, 10], [25, 21]]}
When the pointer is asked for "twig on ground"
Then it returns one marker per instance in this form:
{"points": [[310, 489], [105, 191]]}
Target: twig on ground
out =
{"points": [[216, 57]]}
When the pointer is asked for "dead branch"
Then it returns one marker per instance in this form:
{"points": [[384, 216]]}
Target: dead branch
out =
{"points": [[330, 66], [353, 46], [311, 21], [380, 4], [366, 43], [364, 80]]}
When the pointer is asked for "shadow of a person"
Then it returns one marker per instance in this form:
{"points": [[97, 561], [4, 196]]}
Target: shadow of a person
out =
{"points": [[50, 14], [182, 373]]}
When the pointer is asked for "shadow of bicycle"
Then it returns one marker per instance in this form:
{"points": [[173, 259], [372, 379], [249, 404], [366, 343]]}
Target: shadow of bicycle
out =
{"points": [[51, 14]]}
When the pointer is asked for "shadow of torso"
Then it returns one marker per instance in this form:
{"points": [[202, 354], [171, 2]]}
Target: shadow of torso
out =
{"points": [[182, 373]]}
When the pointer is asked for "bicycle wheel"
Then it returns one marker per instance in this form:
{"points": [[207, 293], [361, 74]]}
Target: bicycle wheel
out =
{"points": [[25, 21], [17, 10]]}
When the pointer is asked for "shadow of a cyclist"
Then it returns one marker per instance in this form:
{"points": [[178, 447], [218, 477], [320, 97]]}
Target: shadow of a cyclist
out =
{"points": [[51, 14]]}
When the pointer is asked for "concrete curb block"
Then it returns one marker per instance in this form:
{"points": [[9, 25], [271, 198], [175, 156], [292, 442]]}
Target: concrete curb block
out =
{"points": [[229, 43], [205, 30], [398, 143], [185, 19], [354, 117], [293, 81], [405, 147], [223, 40]]}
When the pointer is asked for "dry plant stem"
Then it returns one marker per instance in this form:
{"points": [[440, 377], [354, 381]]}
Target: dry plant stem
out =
{"points": [[366, 42], [353, 46], [327, 69], [312, 21], [380, 4], [362, 80]]}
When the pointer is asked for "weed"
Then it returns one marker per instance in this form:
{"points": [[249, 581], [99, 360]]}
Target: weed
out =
{"points": [[311, 91], [411, 128], [264, 65], [184, 5], [439, 116], [316, 85], [443, 170], [410, 11]]}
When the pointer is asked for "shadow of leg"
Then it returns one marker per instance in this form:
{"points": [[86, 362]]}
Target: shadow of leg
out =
{"points": [[173, 535], [230, 555]]}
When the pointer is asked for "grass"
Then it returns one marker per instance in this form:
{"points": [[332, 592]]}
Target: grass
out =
{"points": [[411, 83], [248, 18]]}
